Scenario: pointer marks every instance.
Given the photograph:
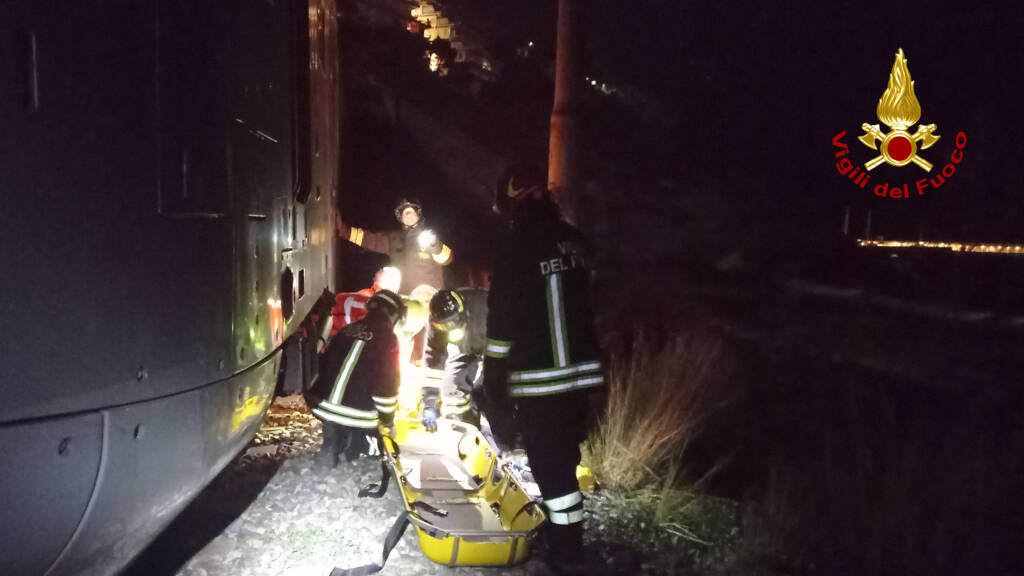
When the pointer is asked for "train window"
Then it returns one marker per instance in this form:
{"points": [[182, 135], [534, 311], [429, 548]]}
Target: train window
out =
{"points": [[262, 102], [300, 82], [287, 294], [193, 66], [229, 84]]}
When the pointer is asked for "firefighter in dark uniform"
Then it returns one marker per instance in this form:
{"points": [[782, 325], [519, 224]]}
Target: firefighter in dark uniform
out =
{"points": [[415, 250], [456, 339], [542, 358], [357, 386]]}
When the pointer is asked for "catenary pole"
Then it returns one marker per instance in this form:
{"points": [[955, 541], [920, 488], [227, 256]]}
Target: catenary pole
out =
{"points": [[563, 153]]}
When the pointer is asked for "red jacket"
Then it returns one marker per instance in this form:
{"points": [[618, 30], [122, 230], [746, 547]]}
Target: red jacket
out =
{"points": [[350, 307]]}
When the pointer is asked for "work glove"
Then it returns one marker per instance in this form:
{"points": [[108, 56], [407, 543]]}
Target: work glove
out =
{"points": [[387, 420], [503, 430], [500, 415], [469, 376], [325, 302], [430, 417]]}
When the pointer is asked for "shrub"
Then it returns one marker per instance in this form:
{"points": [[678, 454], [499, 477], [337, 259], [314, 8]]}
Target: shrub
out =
{"points": [[658, 394]]}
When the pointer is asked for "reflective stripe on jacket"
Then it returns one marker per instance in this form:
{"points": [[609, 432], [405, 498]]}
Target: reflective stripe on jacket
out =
{"points": [[540, 333], [402, 247], [357, 385]]}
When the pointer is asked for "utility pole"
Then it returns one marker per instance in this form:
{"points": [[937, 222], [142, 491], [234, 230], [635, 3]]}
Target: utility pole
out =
{"points": [[563, 153]]}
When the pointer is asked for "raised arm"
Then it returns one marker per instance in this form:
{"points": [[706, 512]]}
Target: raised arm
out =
{"points": [[373, 241]]}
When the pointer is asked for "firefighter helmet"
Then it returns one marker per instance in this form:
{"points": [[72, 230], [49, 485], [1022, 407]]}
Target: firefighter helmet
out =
{"points": [[447, 311], [388, 302], [518, 184], [408, 204]]}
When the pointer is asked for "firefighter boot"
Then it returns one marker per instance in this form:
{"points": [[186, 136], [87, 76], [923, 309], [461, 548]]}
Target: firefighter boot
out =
{"points": [[565, 548], [327, 457], [358, 445]]}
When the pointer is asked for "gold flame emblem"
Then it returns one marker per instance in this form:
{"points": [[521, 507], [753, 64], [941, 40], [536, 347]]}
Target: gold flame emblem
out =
{"points": [[899, 109]]}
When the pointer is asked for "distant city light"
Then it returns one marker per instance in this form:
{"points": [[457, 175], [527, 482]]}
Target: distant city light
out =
{"points": [[593, 82], [530, 44], [953, 246]]}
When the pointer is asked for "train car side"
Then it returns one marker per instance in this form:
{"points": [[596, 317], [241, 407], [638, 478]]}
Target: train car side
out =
{"points": [[169, 175]]}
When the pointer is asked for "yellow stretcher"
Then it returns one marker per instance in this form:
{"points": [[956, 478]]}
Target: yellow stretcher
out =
{"points": [[466, 506]]}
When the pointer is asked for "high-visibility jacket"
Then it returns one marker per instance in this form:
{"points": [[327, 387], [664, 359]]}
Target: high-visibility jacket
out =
{"points": [[402, 247], [349, 307], [357, 385], [540, 332]]}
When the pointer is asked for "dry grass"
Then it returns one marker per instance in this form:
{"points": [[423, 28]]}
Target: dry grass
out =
{"points": [[844, 470], [658, 394], [661, 394]]}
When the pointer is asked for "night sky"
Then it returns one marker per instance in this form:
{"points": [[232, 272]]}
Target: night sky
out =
{"points": [[750, 95]]}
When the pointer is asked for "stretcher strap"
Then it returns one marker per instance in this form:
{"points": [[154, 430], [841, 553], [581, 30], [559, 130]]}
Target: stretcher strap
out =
{"points": [[390, 541], [379, 489], [528, 507]]}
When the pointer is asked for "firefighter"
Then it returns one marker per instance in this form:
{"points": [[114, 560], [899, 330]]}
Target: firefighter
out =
{"points": [[357, 386], [415, 249], [456, 339], [542, 359]]}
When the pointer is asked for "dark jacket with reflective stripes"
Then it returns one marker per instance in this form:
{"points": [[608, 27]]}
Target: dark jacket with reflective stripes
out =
{"points": [[402, 247], [540, 333], [357, 385], [459, 360]]}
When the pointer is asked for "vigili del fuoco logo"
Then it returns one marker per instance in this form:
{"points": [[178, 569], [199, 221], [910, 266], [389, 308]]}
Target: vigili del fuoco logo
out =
{"points": [[899, 109]]}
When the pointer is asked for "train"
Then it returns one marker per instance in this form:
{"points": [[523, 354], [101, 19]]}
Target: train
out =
{"points": [[169, 171]]}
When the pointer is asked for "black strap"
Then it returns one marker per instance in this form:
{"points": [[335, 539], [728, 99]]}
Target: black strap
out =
{"points": [[379, 489], [390, 541]]}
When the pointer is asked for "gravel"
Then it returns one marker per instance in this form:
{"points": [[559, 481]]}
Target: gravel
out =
{"points": [[273, 512]]}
